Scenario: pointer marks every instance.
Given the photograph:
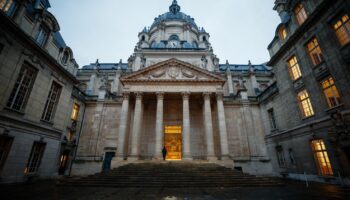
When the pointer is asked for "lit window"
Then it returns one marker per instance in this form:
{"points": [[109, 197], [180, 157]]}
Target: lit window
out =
{"points": [[300, 13], [75, 112], [35, 157], [305, 104], [321, 157], [272, 119], [283, 33], [315, 52], [42, 36], [331, 93], [294, 69], [8, 6], [342, 30], [23, 86], [51, 102], [280, 156], [5, 146], [70, 135]]}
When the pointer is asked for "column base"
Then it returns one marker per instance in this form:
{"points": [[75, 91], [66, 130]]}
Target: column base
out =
{"points": [[225, 158], [133, 158], [157, 158], [212, 158], [187, 159]]}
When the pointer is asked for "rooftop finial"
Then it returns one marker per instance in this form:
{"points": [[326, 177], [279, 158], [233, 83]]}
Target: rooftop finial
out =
{"points": [[174, 8]]}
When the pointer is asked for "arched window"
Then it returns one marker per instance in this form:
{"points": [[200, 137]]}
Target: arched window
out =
{"points": [[283, 33], [174, 37], [153, 44], [143, 38], [65, 57], [195, 45], [204, 38]]}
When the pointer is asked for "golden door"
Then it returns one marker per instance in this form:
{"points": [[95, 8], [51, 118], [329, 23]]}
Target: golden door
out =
{"points": [[173, 142]]}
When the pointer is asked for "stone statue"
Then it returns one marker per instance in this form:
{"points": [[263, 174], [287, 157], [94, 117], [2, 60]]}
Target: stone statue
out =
{"points": [[204, 62]]}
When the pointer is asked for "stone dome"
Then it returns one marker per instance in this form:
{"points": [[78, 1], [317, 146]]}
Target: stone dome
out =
{"points": [[174, 14]]}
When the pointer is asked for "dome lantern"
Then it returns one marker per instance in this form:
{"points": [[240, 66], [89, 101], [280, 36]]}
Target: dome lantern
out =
{"points": [[174, 8]]}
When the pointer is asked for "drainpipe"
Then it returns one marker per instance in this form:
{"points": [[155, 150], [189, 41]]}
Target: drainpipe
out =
{"points": [[78, 140]]}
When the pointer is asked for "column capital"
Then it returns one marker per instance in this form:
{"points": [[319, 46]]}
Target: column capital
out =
{"points": [[160, 95], [138, 95], [186, 95], [219, 95], [206, 95], [126, 95]]}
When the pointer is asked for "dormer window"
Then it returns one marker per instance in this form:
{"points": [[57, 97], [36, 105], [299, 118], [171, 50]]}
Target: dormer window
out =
{"points": [[8, 6], [143, 38], [195, 45], [204, 39], [174, 37], [42, 36], [300, 13], [283, 33], [65, 57]]}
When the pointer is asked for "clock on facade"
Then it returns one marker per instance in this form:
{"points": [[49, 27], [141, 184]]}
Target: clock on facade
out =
{"points": [[173, 44]]}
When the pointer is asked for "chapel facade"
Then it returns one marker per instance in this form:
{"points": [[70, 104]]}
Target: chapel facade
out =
{"points": [[173, 92]]}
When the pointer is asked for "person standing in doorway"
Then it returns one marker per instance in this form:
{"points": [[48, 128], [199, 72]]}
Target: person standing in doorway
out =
{"points": [[164, 152]]}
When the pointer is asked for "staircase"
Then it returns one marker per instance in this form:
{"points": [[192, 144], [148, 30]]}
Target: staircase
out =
{"points": [[171, 175]]}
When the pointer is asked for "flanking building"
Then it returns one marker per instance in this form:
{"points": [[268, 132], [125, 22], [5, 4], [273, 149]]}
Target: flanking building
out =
{"points": [[306, 111], [37, 71]]}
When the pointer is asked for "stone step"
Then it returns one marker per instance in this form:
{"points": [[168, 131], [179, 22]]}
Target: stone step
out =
{"points": [[171, 175]]}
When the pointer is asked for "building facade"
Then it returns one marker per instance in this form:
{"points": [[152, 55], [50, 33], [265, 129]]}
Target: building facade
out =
{"points": [[173, 92], [290, 119], [37, 71], [306, 112]]}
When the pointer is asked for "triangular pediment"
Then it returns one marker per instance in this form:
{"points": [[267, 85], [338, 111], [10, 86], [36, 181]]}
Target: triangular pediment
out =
{"points": [[172, 70]]}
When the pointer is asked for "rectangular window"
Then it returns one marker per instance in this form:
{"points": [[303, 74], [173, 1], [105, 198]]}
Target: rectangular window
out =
{"points": [[8, 6], [280, 156], [315, 52], [331, 93], [42, 36], [75, 112], [5, 146], [272, 119], [22, 88], [294, 69], [51, 102], [342, 30], [291, 156], [300, 13], [305, 104], [36, 154], [321, 157]]}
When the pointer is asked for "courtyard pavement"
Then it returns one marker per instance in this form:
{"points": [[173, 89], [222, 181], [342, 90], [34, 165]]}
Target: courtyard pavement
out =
{"points": [[47, 190]]}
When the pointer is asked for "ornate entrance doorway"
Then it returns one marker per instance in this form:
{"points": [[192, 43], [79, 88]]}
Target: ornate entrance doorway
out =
{"points": [[173, 142]]}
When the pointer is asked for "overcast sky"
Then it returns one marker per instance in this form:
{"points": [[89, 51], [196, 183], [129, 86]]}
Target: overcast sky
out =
{"points": [[240, 30]]}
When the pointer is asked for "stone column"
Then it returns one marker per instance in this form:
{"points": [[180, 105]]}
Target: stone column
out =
{"points": [[159, 126], [222, 126], [208, 127], [135, 138], [122, 126], [186, 137]]}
